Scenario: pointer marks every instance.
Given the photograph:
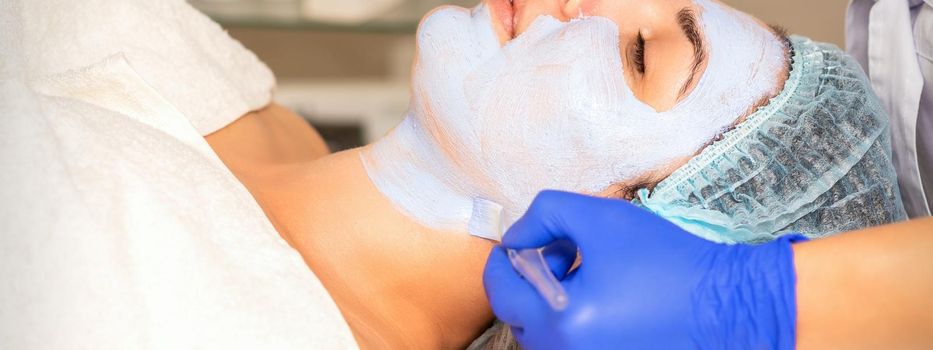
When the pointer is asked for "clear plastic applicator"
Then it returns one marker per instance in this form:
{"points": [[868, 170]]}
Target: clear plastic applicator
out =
{"points": [[530, 264], [486, 222]]}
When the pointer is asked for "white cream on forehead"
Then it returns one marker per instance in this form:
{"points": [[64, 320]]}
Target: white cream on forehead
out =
{"points": [[489, 127]]}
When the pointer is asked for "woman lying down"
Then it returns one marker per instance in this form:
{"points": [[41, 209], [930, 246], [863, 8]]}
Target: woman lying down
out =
{"points": [[615, 98], [692, 109]]}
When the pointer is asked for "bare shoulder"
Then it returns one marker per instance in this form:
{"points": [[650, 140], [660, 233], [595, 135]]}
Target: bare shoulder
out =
{"points": [[270, 136]]}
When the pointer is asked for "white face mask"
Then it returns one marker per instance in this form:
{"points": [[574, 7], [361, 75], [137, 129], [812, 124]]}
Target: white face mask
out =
{"points": [[489, 127]]}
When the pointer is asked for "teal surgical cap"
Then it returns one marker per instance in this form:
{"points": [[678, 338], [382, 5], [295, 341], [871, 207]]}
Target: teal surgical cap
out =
{"points": [[816, 160]]}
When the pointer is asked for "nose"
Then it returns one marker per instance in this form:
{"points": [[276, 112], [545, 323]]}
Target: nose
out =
{"points": [[526, 11]]}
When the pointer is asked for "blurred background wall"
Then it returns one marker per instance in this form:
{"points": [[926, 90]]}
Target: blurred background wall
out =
{"points": [[344, 64], [822, 20]]}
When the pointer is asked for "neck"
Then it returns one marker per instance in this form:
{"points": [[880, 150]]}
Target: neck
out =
{"points": [[428, 178], [410, 154], [398, 284]]}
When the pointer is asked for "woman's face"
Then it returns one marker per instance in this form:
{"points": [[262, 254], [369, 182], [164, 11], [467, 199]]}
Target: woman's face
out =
{"points": [[509, 99], [661, 42]]}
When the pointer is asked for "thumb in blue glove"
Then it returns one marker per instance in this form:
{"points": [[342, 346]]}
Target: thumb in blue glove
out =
{"points": [[643, 282]]}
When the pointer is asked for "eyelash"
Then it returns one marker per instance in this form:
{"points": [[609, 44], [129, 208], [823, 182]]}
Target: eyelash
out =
{"points": [[639, 54]]}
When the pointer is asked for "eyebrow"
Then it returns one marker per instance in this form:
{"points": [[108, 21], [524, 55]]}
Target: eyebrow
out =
{"points": [[687, 20]]}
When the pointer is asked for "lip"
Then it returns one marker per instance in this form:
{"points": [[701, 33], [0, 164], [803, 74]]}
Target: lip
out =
{"points": [[504, 13]]}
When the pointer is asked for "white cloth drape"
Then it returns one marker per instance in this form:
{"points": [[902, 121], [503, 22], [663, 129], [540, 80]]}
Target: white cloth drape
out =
{"points": [[119, 226]]}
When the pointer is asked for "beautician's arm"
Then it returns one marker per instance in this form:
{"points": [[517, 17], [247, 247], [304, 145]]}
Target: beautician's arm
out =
{"points": [[646, 283], [870, 289]]}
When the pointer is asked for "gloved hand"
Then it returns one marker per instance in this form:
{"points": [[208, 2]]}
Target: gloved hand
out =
{"points": [[643, 282]]}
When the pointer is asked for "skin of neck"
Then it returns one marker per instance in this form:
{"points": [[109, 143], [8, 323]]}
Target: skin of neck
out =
{"points": [[398, 284]]}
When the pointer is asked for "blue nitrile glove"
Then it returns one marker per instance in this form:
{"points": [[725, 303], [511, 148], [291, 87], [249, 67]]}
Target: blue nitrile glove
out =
{"points": [[643, 283]]}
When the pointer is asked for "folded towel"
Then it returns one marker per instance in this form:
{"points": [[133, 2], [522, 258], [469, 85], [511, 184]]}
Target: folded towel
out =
{"points": [[190, 60]]}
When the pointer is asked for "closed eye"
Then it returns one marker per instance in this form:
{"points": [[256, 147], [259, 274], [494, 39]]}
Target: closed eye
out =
{"points": [[639, 54]]}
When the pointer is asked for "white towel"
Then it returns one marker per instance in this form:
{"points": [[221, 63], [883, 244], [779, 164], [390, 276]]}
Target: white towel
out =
{"points": [[119, 227], [190, 60]]}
